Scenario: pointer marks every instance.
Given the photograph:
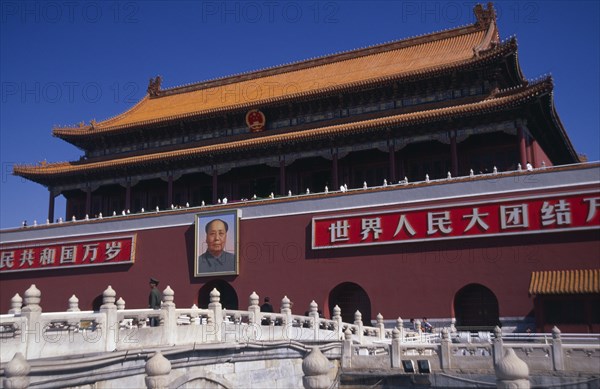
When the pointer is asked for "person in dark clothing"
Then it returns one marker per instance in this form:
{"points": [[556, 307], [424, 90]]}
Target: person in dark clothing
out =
{"points": [[266, 307], [154, 300]]}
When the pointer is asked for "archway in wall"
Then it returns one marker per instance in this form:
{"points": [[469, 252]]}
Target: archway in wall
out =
{"points": [[476, 306], [97, 303], [229, 298], [350, 297]]}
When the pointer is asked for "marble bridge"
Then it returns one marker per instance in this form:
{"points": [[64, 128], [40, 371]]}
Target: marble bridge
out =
{"points": [[214, 347]]}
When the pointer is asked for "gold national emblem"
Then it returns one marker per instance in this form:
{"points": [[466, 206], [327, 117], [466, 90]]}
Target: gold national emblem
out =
{"points": [[255, 120]]}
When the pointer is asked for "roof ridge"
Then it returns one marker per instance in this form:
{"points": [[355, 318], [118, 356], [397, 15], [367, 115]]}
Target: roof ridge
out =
{"points": [[506, 45], [310, 62], [56, 130]]}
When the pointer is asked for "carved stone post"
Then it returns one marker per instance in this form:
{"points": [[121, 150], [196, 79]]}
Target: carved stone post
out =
{"points": [[453, 325], [32, 308], [380, 326], [359, 323], [16, 302], [395, 349], [217, 308], [315, 367], [445, 354], [313, 312], [32, 312], [511, 372], [120, 304], [73, 304], [158, 369], [195, 315], [497, 345], [337, 317], [347, 349], [400, 327], [109, 309], [254, 309], [286, 310], [169, 326], [16, 372], [557, 350]]}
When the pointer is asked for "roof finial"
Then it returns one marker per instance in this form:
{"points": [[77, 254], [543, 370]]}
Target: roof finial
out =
{"points": [[154, 86], [484, 16]]}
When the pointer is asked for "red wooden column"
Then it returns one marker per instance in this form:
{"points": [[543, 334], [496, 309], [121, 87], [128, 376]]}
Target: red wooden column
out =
{"points": [[282, 176], [170, 190], [51, 205], [88, 200], [522, 146], [214, 186], [532, 153], [401, 169], [453, 153], [392, 155], [128, 195], [334, 170]]}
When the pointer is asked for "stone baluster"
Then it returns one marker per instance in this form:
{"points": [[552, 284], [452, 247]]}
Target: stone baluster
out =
{"points": [[380, 326], [109, 309], [120, 304], [32, 309], [217, 310], [158, 369], [337, 317], [511, 372], [313, 313], [446, 354], [453, 325], [557, 350], [316, 367], [497, 345], [395, 348], [73, 304], [15, 373], [254, 309], [359, 323], [16, 302], [347, 349], [169, 316], [418, 327], [286, 311], [32, 312], [195, 315], [400, 327]]}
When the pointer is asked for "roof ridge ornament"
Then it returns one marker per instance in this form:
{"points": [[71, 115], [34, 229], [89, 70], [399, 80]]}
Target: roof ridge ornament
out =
{"points": [[485, 16], [154, 86]]}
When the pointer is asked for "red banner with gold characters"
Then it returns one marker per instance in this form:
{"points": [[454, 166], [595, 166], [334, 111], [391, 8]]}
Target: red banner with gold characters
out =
{"points": [[458, 221], [67, 254]]}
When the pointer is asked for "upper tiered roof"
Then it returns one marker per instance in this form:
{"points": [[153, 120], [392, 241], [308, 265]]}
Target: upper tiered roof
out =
{"points": [[420, 57], [500, 101], [412, 57]]}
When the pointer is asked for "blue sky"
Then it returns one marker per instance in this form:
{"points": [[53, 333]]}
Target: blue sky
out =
{"points": [[62, 62]]}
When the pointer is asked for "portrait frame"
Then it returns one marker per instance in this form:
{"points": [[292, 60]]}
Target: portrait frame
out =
{"points": [[206, 265]]}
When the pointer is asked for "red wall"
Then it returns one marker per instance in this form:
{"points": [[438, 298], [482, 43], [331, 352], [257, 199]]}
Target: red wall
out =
{"points": [[408, 280]]}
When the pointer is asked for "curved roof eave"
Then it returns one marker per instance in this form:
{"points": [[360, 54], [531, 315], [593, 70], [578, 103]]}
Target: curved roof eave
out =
{"points": [[502, 100]]}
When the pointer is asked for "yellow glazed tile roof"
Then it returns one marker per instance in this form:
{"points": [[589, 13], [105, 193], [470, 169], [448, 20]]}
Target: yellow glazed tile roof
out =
{"points": [[299, 81], [502, 100], [565, 282]]}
